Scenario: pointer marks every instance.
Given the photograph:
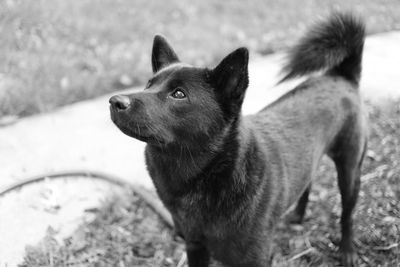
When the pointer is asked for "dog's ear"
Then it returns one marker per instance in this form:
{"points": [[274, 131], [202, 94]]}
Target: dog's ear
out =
{"points": [[231, 75], [162, 54]]}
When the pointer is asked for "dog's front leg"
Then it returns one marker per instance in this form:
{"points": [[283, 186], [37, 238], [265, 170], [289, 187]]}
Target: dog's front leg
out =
{"points": [[198, 255]]}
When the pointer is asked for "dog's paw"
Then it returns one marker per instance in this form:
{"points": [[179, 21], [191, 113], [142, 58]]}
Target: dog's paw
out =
{"points": [[349, 259], [349, 256]]}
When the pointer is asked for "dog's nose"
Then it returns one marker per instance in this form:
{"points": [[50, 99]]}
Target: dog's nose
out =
{"points": [[120, 102]]}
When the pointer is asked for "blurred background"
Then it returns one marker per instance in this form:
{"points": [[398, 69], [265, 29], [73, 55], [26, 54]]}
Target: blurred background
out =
{"points": [[54, 53]]}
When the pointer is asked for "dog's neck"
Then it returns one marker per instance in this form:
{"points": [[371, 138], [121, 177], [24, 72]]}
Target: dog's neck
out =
{"points": [[182, 164]]}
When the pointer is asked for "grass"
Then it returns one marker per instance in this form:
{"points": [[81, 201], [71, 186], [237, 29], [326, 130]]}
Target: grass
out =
{"points": [[125, 232], [56, 52], [377, 215]]}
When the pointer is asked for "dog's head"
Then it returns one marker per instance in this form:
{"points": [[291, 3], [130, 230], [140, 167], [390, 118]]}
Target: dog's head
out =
{"points": [[182, 104]]}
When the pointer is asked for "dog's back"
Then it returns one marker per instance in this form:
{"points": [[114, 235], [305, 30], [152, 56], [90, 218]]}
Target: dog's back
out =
{"points": [[303, 125], [323, 115]]}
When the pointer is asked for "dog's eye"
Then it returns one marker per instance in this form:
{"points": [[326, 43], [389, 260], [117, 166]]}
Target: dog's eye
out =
{"points": [[178, 94]]}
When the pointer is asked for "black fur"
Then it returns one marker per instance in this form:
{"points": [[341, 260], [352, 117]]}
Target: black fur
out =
{"points": [[162, 55], [335, 45], [231, 77], [227, 179]]}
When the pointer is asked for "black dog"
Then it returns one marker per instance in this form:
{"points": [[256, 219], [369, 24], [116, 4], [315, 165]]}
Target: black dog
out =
{"points": [[227, 179]]}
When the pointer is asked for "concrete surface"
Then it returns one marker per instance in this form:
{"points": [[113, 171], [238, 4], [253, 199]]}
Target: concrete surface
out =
{"points": [[81, 136], [59, 205]]}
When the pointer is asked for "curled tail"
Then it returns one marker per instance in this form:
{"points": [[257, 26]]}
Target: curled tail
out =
{"points": [[334, 46]]}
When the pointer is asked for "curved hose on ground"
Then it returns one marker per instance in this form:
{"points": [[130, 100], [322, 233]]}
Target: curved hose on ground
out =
{"points": [[141, 192]]}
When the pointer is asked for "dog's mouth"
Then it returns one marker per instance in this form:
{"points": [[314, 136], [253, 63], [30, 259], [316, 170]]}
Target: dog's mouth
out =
{"points": [[139, 134], [142, 137], [135, 130]]}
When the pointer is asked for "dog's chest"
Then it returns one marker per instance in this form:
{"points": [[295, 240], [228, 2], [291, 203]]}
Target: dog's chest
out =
{"points": [[199, 209]]}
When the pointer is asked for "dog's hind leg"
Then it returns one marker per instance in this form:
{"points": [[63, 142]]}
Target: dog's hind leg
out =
{"points": [[297, 215], [348, 155]]}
